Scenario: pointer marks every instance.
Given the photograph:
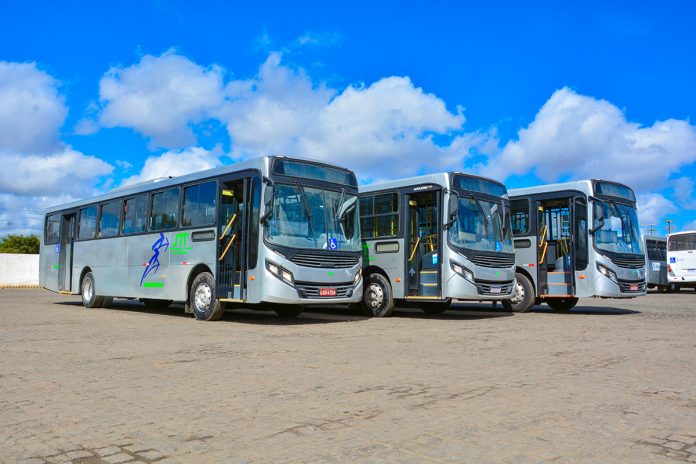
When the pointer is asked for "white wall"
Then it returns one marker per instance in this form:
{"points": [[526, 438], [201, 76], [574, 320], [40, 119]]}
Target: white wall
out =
{"points": [[19, 269]]}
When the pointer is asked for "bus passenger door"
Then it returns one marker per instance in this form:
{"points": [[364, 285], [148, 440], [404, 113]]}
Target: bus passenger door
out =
{"points": [[232, 238], [556, 276], [65, 257], [423, 239]]}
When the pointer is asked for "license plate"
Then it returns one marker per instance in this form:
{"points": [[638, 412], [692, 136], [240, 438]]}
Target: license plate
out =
{"points": [[633, 288], [327, 292], [496, 288]]}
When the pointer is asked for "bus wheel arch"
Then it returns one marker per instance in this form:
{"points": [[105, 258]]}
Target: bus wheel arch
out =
{"points": [[525, 294], [378, 296], [197, 269]]}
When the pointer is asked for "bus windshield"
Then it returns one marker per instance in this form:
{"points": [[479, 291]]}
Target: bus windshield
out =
{"points": [[682, 242], [309, 217], [481, 225], [619, 232]]}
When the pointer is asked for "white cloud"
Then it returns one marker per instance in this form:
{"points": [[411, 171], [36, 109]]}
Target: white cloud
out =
{"points": [[31, 109], [160, 97], [684, 192], [689, 226], [580, 136], [176, 163], [653, 208]]}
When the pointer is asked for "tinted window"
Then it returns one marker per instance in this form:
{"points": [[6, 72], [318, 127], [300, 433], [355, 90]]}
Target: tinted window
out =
{"points": [[199, 205], [314, 171], [478, 184], [379, 215], [520, 217], [52, 230], [110, 219], [165, 208], [581, 248], [254, 221], [134, 214], [615, 190], [88, 223], [682, 242]]}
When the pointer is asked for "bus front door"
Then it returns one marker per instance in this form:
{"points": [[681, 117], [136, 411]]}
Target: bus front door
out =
{"points": [[555, 276], [65, 256], [423, 238], [232, 239]]}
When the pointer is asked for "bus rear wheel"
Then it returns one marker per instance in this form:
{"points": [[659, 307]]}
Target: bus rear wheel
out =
{"points": [[202, 299], [562, 304], [524, 298], [673, 288], [88, 291], [378, 300], [289, 311]]}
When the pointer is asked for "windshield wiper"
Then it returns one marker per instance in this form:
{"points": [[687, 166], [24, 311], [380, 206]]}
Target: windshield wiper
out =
{"points": [[303, 195], [480, 208]]}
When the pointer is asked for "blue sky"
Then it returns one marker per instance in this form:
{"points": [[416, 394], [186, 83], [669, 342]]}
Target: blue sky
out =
{"points": [[93, 95]]}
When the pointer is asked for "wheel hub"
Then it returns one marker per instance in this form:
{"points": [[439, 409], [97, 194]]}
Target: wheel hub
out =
{"points": [[87, 290], [375, 296], [203, 297], [519, 294]]}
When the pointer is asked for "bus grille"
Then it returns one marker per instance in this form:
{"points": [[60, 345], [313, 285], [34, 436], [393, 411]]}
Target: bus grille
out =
{"points": [[497, 260], [632, 262], [626, 286], [311, 290], [324, 260], [484, 287]]}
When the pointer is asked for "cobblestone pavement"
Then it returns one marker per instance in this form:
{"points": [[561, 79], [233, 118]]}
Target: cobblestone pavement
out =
{"points": [[614, 381]]}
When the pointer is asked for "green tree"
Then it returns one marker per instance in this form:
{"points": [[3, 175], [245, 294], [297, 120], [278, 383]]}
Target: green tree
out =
{"points": [[23, 244]]}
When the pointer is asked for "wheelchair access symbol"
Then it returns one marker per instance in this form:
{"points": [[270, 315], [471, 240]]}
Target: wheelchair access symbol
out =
{"points": [[333, 244]]}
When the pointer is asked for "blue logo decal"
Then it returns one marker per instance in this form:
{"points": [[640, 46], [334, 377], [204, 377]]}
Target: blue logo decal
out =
{"points": [[154, 263], [498, 246], [57, 247], [435, 259], [333, 244], [672, 259]]}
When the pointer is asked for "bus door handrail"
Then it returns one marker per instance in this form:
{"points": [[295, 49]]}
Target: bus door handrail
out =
{"points": [[229, 224], [228, 247], [415, 247]]}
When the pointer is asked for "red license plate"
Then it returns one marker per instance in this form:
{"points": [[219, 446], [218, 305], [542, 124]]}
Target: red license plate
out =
{"points": [[327, 292], [633, 288]]}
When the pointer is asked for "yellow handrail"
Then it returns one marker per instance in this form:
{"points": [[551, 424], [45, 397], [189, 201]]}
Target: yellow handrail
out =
{"points": [[543, 253], [227, 247], [229, 224], [415, 247], [542, 237]]}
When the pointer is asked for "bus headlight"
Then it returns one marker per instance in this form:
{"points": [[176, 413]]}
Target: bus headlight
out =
{"points": [[356, 280], [280, 272], [462, 271], [606, 272]]}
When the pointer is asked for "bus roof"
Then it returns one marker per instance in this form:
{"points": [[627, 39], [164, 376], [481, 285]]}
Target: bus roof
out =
{"points": [[442, 179], [683, 232], [659, 238], [584, 185], [261, 163]]}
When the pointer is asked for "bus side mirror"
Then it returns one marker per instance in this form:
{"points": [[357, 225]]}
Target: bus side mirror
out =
{"points": [[267, 202], [452, 210]]}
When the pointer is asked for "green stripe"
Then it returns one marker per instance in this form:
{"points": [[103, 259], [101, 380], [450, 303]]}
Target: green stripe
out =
{"points": [[153, 284]]}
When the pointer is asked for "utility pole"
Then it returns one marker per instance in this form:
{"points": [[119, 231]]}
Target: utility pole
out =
{"points": [[651, 228], [669, 226]]}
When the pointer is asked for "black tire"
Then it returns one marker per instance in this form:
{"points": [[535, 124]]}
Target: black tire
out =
{"points": [[289, 310], [561, 304], [107, 301], [377, 299], [88, 291], [155, 304], [662, 288], [435, 308], [674, 288], [507, 305], [524, 298], [202, 300]]}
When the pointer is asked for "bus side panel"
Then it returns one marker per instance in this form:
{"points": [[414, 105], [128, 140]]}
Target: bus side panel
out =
{"points": [[526, 257], [148, 265], [391, 263], [83, 256], [110, 267], [48, 266], [583, 283], [185, 253]]}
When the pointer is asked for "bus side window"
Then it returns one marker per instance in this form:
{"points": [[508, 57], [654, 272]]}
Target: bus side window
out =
{"points": [[87, 227], [165, 210], [109, 219], [520, 217], [134, 213], [199, 205], [52, 231]]}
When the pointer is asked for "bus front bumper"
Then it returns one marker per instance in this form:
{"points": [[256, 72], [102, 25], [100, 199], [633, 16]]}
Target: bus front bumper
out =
{"points": [[311, 293]]}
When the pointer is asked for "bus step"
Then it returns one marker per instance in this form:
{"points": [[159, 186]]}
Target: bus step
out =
{"points": [[430, 290], [428, 277], [560, 290], [558, 278]]}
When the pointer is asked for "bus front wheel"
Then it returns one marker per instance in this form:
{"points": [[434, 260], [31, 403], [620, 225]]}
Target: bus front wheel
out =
{"points": [[202, 299], [90, 299], [524, 298], [562, 304], [378, 300]]}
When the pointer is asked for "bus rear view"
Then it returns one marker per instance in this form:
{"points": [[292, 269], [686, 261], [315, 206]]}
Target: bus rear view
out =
{"points": [[681, 256]]}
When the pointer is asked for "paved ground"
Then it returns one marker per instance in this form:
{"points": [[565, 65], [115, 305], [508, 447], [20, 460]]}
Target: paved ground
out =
{"points": [[614, 381]]}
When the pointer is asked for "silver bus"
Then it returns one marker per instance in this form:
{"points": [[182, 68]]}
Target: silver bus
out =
{"points": [[268, 230], [434, 238], [576, 239], [656, 263]]}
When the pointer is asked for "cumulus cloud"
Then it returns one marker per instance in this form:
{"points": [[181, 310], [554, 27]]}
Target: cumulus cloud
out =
{"points": [[653, 208], [176, 163], [579, 136], [684, 192], [160, 97], [31, 109]]}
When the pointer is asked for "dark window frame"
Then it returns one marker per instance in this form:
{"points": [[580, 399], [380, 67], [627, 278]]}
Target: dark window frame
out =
{"points": [[373, 215]]}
